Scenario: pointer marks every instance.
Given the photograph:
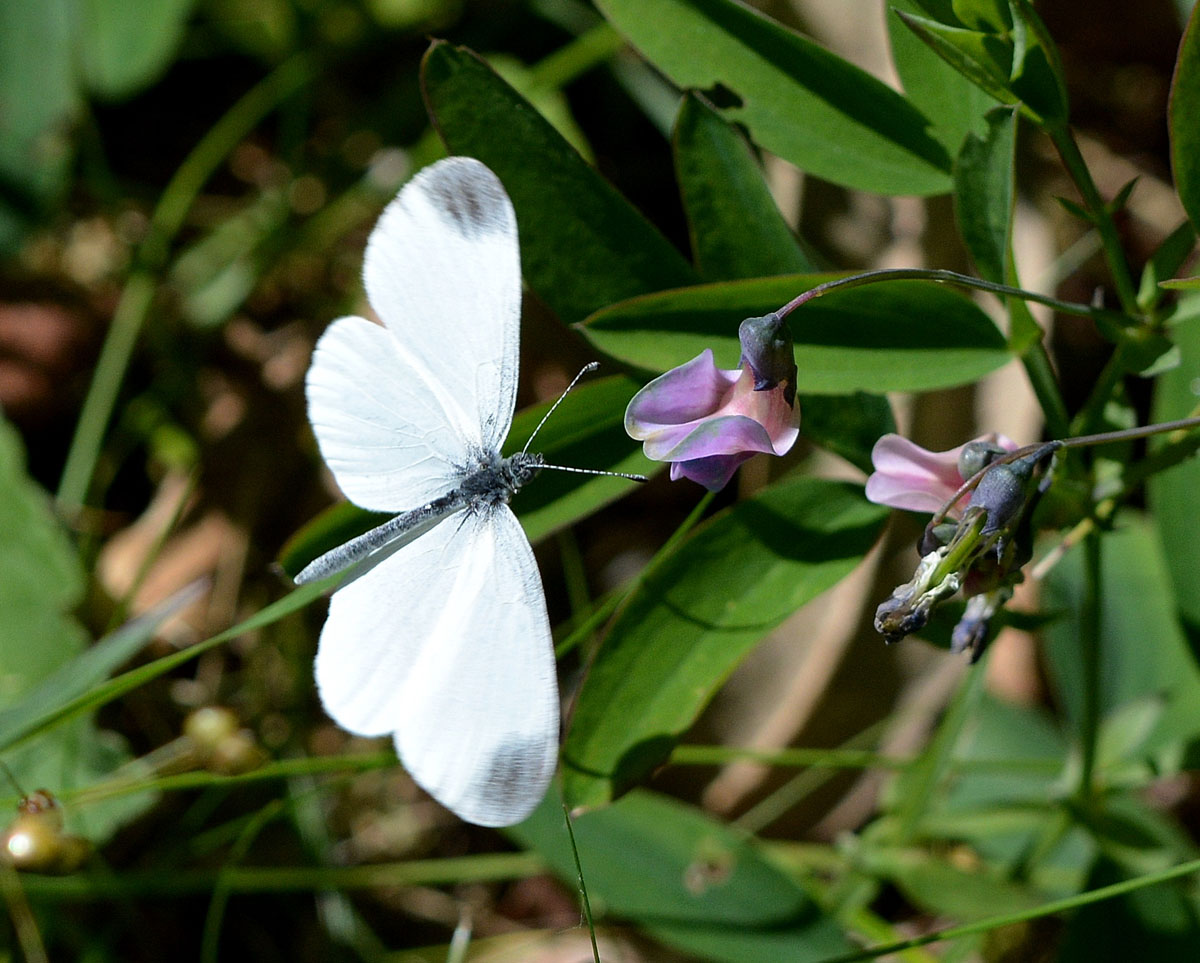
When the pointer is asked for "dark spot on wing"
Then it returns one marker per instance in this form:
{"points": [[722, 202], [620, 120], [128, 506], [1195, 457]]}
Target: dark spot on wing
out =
{"points": [[512, 768], [471, 197]]}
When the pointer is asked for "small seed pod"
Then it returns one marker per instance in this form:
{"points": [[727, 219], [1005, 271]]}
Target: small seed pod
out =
{"points": [[35, 842]]}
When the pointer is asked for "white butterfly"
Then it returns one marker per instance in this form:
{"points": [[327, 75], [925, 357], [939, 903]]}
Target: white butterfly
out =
{"points": [[441, 639]]}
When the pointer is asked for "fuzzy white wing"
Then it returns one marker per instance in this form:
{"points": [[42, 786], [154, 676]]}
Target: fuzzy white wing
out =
{"points": [[447, 644], [382, 431], [443, 272], [479, 712]]}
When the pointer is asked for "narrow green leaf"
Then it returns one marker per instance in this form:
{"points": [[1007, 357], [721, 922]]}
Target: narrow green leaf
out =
{"points": [[686, 879], [1181, 284], [977, 56], [736, 228], [1163, 264], [1181, 115], [693, 620], [953, 103], [582, 245], [892, 336], [984, 193], [795, 98], [1175, 494]]}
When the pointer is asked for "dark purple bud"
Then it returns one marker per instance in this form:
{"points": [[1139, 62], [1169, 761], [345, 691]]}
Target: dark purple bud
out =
{"points": [[767, 352]]}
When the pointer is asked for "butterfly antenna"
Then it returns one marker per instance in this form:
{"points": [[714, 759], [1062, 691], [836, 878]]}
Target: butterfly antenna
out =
{"points": [[596, 471], [590, 366]]}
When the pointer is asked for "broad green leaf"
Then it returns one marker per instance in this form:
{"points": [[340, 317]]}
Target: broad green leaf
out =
{"points": [[38, 94], [1143, 653], [686, 880], [984, 194], [587, 431], [693, 619], [582, 245], [1182, 113], [735, 226], [123, 46], [891, 336], [952, 102], [1175, 493], [41, 581], [795, 98], [41, 704], [847, 425]]}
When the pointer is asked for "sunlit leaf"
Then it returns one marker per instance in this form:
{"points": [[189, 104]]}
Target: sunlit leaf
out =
{"points": [[583, 246], [797, 99], [893, 336], [686, 879]]}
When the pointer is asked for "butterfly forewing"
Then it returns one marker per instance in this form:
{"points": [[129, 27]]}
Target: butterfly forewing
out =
{"points": [[382, 432], [443, 272]]}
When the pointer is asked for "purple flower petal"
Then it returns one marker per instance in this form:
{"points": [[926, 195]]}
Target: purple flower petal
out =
{"points": [[713, 473], [909, 476], [679, 397]]}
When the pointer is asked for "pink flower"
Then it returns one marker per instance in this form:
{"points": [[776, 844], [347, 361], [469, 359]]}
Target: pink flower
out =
{"points": [[908, 476], [707, 420]]}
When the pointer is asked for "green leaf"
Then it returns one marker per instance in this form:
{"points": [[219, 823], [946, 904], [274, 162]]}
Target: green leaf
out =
{"points": [[984, 193], [1163, 264], [847, 425], [1181, 284], [953, 103], [38, 707], [587, 431], [686, 880], [981, 58], [1182, 112], [1175, 494], [735, 226], [694, 618], [583, 246], [1143, 653], [123, 46], [930, 882], [39, 97], [795, 98], [891, 336], [43, 649], [1154, 923]]}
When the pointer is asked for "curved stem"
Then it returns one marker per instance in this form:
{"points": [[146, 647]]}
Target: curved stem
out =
{"points": [[941, 276]]}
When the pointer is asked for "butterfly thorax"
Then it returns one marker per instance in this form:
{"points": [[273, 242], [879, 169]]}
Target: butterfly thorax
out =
{"points": [[497, 479]]}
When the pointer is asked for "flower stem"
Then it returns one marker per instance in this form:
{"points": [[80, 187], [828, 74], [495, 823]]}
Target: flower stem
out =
{"points": [[934, 274]]}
